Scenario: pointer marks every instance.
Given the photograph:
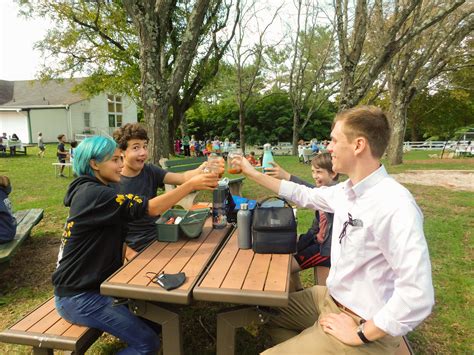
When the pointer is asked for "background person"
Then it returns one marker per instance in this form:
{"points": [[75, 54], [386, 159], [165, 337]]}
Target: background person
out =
{"points": [[380, 287], [7, 221], [92, 243], [61, 153], [41, 145]]}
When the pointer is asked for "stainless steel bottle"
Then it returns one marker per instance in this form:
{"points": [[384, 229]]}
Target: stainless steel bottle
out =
{"points": [[219, 215], [244, 225]]}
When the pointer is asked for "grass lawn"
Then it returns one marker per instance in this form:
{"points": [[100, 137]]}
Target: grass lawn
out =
{"points": [[448, 226]]}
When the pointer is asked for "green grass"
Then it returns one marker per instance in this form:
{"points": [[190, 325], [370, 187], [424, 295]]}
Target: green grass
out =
{"points": [[448, 227]]}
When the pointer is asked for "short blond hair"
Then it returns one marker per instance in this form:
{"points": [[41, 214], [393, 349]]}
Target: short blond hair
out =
{"points": [[369, 122]]}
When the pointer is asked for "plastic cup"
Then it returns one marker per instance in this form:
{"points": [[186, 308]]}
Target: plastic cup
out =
{"points": [[233, 168], [213, 163]]}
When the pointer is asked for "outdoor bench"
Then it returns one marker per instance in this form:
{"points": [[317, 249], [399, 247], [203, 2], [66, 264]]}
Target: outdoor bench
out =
{"points": [[57, 167], [45, 330], [182, 165], [26, 220]]}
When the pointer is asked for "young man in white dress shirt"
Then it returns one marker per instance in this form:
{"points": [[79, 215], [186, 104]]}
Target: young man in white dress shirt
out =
{"points": [[379, 287]]}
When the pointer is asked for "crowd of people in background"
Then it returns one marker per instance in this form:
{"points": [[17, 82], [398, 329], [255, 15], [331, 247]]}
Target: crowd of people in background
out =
{"points": [[192, 147]]}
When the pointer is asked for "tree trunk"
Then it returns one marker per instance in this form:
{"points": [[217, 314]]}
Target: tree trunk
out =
{"points": [[296, 131], [153, 94], [398, 120], [242, 128]]}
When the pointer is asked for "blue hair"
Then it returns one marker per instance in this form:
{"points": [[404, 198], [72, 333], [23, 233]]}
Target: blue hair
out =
{"points": [[99, 148]]}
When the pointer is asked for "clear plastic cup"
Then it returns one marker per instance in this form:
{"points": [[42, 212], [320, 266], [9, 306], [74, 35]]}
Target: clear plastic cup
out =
{"points": [[213, 163], [233, 168]]}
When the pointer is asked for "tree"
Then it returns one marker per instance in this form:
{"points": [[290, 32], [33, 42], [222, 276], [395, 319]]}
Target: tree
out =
{"points": [[248, 59], [419, 62], [360, 60], [310, 80], [164, 60]]}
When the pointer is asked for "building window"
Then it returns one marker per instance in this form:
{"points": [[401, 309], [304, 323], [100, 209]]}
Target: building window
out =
{"points": [[87, 120], [115, 111]]}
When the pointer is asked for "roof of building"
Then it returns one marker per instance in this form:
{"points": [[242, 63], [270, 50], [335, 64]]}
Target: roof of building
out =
{"points": [[34, 93]]}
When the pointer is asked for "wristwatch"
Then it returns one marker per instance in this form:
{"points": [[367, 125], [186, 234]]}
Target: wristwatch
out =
{"points": [[360, 333]]}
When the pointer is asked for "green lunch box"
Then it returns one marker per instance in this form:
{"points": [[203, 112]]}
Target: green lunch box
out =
{"points": [[190, 226]]}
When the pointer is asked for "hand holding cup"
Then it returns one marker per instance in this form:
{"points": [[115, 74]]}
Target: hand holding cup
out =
{"points": [[233, 167]]}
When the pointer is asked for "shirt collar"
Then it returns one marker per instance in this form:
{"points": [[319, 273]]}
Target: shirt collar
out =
{"points": [[364, 185]]}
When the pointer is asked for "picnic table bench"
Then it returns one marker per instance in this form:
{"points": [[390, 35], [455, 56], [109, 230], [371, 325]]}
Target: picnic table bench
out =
{"points": [[57, 167], [26, 220], [182, 165], [45, 330]]}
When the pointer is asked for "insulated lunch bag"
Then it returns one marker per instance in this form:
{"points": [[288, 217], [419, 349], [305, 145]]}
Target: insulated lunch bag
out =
{"points": [[274, 228]]}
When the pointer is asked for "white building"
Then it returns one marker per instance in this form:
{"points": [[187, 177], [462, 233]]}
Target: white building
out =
{"points": [[29, 107]]}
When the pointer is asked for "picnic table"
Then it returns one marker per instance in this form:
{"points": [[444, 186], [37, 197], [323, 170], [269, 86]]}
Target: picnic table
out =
{"points": [[132, 282], [243, 277], [13, 145]]}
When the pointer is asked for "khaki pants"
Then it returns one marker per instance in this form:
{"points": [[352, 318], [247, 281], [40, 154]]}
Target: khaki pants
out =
{"points": [[297, 331]]}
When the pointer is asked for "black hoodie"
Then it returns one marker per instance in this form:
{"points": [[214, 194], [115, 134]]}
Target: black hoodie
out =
{"points": [[92, 242]]}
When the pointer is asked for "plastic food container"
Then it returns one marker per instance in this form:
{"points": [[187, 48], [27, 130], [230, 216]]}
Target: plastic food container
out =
{"points": [[190, 225]]}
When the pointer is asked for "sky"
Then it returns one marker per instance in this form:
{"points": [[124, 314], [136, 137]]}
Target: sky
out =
{"points": [[18, 59]]}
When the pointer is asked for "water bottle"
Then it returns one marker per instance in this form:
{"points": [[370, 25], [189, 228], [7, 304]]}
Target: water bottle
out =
{"points": [[219, 201], [267, 156], [244, 225]]}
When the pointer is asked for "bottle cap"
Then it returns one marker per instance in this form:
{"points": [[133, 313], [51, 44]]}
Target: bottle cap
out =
{"points": [[244, 206]]}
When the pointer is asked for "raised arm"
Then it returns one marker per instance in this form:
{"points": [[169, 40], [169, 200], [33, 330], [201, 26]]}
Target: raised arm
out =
{"points": [[161, 203]]}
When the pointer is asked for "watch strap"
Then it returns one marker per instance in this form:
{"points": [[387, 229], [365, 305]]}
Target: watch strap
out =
{"points": [[361, 334]]}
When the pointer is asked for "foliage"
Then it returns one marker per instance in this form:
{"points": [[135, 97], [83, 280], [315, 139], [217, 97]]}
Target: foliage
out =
{"points": [[269, 120], [440, 114], [95, 39]]}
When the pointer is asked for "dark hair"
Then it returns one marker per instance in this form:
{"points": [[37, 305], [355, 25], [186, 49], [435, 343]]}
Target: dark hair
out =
{"points": [[128, 132], [73, 144], [369, 122], [324, 161], [60, 136], [4, 181]]}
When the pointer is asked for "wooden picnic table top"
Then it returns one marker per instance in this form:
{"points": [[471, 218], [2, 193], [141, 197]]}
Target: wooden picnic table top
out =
{"points": [[244, 277], [190, 256]]}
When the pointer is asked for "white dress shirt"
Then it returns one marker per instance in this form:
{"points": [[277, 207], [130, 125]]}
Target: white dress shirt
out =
{"points": [[381, 269]]}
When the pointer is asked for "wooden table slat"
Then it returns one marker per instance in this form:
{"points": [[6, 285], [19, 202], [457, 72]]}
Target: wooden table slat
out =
{"points": [[237, 273], [195, 266], [59, 328], [34, 316], [278, 266], [187, 252], [48, 321], [157, 264], [130, 270], [75, 331], [219, 269], [258, 272]]}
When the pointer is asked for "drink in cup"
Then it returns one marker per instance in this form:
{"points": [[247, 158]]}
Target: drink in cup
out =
{"points": [[234, 168], [213, 163]]}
